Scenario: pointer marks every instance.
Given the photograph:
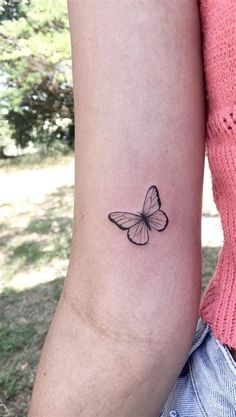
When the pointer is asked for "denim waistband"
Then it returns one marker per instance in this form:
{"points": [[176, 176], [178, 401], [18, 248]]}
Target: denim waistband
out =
{"points": [[213, 374]]}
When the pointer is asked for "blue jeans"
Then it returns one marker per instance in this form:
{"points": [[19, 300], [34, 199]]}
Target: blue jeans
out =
{"points": [[206, 386]]}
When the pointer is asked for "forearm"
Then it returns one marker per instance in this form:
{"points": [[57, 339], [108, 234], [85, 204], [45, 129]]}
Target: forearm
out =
{"points": [[126, 318]]}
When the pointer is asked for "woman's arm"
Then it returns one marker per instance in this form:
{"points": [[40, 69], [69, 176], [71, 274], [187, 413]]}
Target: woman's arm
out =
{"points": [[125, 321]]}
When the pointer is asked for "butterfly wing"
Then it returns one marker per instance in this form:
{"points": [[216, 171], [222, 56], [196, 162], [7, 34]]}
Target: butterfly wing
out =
{"points": [[138, 233], [152, 201], [124, 220], [137, 229], [158, 220]]}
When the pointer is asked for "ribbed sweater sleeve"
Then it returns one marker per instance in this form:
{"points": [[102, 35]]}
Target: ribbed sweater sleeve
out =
{"points": [[218, 18]]}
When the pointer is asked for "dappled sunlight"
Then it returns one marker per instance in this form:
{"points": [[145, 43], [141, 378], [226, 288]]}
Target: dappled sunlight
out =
{"points": [[22, 280], [36, 222], [26, 316], [212, 235]]}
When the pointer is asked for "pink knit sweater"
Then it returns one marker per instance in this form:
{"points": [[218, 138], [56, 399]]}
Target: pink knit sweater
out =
{"points": [[218, 306]]}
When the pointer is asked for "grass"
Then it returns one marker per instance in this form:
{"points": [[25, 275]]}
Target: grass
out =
{"points": [[209, 257], [35, 233], [25, 316], [35, 160]]}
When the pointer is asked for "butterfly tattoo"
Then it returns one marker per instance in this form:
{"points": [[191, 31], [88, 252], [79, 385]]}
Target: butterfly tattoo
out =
{"points": [[139, 225]]}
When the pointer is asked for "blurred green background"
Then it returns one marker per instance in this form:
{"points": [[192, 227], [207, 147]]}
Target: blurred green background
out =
{"points": [[35, 74], [36, 176]]}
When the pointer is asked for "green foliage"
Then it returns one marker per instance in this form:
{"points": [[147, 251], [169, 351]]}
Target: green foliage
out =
{"points": [[11, 382], [31, 311], [5, 134], [14, 339], [36, 97], [12, 9]]}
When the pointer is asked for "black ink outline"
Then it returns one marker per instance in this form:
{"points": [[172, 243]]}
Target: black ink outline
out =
{"points": [[142, 217]]}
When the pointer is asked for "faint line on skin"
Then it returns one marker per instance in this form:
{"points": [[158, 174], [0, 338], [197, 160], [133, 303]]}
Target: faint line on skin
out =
{"points": [[107, 331]]}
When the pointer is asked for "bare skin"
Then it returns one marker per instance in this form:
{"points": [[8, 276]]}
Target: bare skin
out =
{"points": [[124, 324]]}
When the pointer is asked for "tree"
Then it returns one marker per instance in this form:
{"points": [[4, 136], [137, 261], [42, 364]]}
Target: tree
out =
{"points": [[13, 9], [36, 97]]}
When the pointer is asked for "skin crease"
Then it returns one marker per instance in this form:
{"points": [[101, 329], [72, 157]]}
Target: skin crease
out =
{"points": [[124, 324]]}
